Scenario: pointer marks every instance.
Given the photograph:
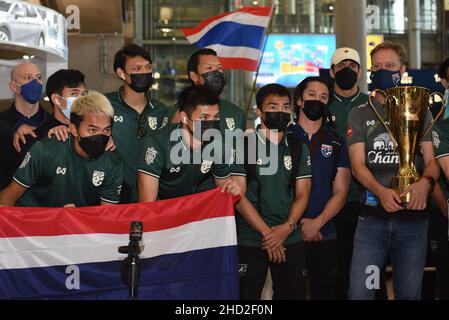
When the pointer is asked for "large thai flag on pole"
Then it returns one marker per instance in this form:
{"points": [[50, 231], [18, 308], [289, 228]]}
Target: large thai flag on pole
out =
{"points": [[71, 253], [235, 36]]}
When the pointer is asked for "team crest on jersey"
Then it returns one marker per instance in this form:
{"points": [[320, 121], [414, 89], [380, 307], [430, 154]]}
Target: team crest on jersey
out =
{"points": [[205, 166], [152, 123], [97, 178], [326, 150], [230, 123], [150, 155], [288, 162]]}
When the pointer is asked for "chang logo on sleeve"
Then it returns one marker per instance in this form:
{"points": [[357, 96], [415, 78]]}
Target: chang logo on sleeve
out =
{"points": [[25, 160], [436, 139], [150, 155]]}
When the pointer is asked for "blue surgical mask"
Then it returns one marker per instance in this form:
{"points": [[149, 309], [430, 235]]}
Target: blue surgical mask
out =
{"points": [[31, 91], [386, 79], [446, 103], [66, 110]]}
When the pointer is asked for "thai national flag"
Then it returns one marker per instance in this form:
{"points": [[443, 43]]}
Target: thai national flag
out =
{"points": [[71, 253], [236, 36]]}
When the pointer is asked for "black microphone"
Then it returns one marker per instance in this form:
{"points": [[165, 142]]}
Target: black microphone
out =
{"points": [[130, 272], [136, 231], [135, 235]]}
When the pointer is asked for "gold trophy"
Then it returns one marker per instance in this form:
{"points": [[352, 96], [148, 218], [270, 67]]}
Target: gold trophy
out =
{"points": [[407, 112]]}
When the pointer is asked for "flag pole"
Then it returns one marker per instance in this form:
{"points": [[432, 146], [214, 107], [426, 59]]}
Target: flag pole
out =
{"points": [[253, 89]]}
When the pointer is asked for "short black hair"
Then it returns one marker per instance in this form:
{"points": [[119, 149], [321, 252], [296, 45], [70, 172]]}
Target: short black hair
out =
{"points": [[132, 50], [271, 89], [194, 60], [196, 95], [443, 71], [63, 79]]}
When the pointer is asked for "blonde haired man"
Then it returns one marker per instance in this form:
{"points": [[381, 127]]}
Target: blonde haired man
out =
{"points": [[385, 226], [77, 172]]}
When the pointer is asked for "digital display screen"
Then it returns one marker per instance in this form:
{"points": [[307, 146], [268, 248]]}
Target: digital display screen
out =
{"points": [[289, 59]]}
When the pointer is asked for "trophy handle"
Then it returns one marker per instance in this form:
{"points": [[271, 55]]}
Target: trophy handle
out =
{"points": [[440, 112], [370, 101]]}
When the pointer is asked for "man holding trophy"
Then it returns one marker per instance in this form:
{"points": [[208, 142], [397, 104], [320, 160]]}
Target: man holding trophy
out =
{"points": [[392, 157]]}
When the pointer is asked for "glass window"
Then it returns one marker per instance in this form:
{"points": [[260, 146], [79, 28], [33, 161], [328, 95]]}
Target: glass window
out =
{"points": [[4, 6], [31, 12]]}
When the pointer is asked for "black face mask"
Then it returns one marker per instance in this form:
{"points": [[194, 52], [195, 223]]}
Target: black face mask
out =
{"points": [[94, 146], [214, 80], [141, 82], [314, 109], [277, 120], [346, 78], [205, 125]]}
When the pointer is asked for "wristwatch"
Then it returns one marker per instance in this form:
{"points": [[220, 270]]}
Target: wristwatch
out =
{"points": [[293, 224]]}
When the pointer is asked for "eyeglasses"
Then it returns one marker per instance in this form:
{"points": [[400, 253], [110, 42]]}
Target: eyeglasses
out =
{"points": [[141, 132]]}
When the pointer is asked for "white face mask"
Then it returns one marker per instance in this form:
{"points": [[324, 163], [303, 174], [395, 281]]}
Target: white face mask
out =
{"points": [[66, 110]]}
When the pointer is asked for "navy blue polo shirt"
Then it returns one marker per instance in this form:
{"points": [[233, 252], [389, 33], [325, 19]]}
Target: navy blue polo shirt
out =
{"points": [[322, 148]]}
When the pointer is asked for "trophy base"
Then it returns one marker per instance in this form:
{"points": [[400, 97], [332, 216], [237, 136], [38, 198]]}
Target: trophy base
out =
{"points": [[400, 184]]}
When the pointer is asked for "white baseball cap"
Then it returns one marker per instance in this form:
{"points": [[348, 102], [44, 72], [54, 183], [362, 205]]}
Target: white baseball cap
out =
{"points": [[342, 54]]}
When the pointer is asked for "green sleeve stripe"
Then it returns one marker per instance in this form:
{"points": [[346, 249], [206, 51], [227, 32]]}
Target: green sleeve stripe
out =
{"points": [[442, 155], [22, 184], [238, 174], [108, 201], [149, 173], [304, 177], [221, 178]]}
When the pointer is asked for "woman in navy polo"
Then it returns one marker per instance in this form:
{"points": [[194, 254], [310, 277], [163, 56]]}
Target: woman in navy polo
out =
{"points": [[330, 184]]}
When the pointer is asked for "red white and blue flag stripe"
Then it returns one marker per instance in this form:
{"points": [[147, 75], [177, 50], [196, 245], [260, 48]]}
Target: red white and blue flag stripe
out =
{"points": [[71, 253], [235, 36]]}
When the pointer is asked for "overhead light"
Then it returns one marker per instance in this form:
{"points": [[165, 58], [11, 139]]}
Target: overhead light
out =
{"points": [[26, 57], [255, 3], [156, 75], [166, 30], [46, 99]]}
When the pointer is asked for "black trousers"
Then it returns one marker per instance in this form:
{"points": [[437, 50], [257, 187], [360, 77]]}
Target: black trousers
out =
{"points": [[288, 277], [346, 224], [322, 269]]}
